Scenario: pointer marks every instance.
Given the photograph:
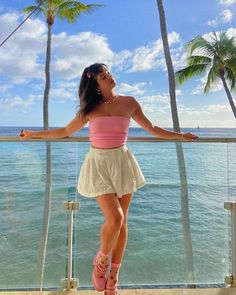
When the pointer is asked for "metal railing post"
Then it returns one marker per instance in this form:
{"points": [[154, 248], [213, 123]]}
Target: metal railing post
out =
{"points": [[231, 280], [70, 283]]}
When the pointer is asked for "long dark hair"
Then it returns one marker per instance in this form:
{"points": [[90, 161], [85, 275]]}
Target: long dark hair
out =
{"points": [[89, 95]]}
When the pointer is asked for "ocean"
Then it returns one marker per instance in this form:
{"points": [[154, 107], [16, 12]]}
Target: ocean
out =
{"points": [[155, 253]]}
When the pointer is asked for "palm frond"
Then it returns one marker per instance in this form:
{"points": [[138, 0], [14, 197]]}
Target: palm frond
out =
{"points": [[225, 42], [218, 63], [70, 15], [211, 78], [224, 47], [198, 59], [230, 51], [92, 7], [72, 9], [29, 9], [231, 78], [190, 72], [200, 44], [231, 64], [63, 5]]}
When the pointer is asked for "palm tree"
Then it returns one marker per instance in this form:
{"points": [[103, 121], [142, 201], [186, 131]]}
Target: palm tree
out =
{"points": [[179, 148], [70, 11], [65, 10], [216, 58]]}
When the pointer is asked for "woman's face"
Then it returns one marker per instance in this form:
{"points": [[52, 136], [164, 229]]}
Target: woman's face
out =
{"points": [[105, 80]]}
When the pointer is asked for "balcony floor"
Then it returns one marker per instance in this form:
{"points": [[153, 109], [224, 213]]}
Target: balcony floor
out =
{"points": [[212, 291]]}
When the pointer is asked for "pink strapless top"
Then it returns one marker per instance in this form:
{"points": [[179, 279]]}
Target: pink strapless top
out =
{"points": [[108, 131]]}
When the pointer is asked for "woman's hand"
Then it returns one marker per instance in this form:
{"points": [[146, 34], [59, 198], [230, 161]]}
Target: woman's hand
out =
{"points": [[25, 134], [188, 137]]}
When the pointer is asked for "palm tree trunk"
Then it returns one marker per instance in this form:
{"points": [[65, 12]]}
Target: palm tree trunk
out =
{"points": [[230, 98], [179, 150], [47, 202], [47, 76], [169, 65]]}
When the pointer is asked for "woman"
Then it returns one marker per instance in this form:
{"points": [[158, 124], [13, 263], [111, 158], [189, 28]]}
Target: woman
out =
{"points": [[110, 171]]}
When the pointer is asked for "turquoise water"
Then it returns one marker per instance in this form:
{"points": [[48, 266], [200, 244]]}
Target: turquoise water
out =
{"points": [[155, 250]]}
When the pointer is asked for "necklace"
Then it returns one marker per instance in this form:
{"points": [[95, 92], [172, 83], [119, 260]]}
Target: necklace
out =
{"points": [[116, 97]]}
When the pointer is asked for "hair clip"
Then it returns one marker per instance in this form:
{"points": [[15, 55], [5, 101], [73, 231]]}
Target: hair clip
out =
{"points": [[88, 75]]}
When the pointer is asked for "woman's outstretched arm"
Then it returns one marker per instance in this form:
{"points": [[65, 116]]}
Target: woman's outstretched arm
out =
{"points": [[147, 125], [76, 124]]}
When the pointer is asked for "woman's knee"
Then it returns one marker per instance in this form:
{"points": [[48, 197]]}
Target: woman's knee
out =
{"points": [[124, 225], [116, 221]]}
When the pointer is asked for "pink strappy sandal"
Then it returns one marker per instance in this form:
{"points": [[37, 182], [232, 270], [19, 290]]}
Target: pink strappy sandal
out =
{"points": [[112, 290], [99, 283]]}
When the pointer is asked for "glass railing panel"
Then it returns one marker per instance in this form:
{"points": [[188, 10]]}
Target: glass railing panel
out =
{"points": [[232, 171], [231, 162], [155, 253], [24, 207], [85, 227], [21, 189], [207, 171], [63, 174]]}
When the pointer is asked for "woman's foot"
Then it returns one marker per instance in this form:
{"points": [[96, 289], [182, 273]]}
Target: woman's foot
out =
{"points": [[101, 263], [112, 280]]}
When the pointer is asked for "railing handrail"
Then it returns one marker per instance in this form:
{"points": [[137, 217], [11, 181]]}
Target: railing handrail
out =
{"points": [[130, 139]]}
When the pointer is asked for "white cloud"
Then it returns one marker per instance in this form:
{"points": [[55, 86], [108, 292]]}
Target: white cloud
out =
{"points": [[22, 61], [62, 94], [153, 99], [67, 84], [135, 89], [19, 55], [122, 60], [179, 92], [22, 57], [179, 57], [199, 89], [218, 108], [73, 53], [157, 109], [231, 32], [4, 87], [227, 16], [155, 106], [227, 2], [151, 56], [206, 116], [17, 102], [212, 23]]}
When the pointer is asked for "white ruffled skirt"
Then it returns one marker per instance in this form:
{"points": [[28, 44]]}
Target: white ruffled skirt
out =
{"points": [[106, 171]]}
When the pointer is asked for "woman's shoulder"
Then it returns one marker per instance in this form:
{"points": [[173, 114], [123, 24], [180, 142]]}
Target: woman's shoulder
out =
{"points": [[125, 97], [130, 104], [131, 101], [128, 99]]}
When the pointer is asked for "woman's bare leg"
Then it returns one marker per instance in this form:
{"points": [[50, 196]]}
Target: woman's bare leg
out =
{"points": [[119, 245], [110, 230]]}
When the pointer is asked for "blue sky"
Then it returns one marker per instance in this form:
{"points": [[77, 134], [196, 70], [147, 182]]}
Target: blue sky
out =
{"points": [[125, 34]]}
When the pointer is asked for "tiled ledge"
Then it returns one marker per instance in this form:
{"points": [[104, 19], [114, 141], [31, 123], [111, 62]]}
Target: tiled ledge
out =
{"points": [[212, 291]]}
